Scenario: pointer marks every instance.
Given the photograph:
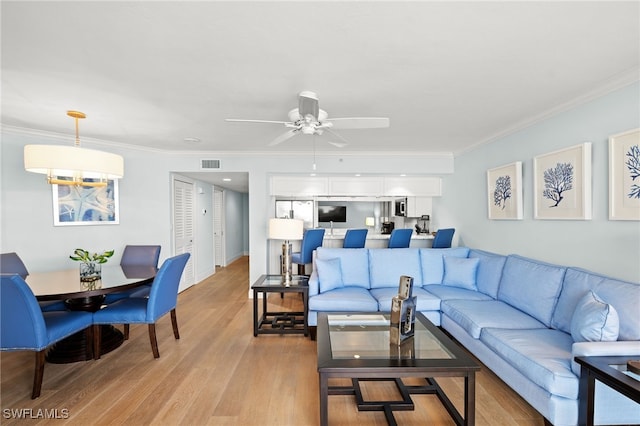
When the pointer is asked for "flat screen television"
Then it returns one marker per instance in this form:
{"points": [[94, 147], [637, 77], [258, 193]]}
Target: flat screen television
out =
{"points": [[332, 213]]}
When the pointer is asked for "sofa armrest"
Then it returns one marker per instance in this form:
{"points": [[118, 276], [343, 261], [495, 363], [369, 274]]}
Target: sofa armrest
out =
{"points": [[314, 287], [617, 348]]}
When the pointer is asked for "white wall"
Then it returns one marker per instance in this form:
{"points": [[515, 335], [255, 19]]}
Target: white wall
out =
{"points": [[599, 245]]}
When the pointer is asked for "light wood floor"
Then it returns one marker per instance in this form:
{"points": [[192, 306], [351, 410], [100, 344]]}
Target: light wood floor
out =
{"points": [[219, 374]]}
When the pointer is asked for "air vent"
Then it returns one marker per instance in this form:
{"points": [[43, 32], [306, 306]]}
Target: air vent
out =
{"points": [[209, 164]]}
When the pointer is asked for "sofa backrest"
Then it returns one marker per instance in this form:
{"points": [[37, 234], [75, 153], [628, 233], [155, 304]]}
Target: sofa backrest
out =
{"points": [[432, 262], [354, 264], [531, 286], [623, 296], [388, 265], [489, 271]]}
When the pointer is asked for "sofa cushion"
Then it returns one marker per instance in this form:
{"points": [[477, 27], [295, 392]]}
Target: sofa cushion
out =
{"points": [[447, 292], [531, 286], [489, 271], [387, 265], [474, 315], [460, 272], [433, 264], [541, 355], [347, 299], [625, 298], [329, 274], [622, 295], [425, 302], [576, 284], [594, 320], [353, 262]]}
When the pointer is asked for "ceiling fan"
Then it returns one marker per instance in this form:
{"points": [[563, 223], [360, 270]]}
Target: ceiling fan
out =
{"points": [[309, 119]]}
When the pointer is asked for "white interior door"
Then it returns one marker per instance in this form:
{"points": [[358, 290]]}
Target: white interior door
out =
{"points": [[183, 198], [218, 228]]}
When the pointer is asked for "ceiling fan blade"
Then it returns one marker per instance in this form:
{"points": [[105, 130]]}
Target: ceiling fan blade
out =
{"points": [[358, 122], [241, 120], [343, 142], [308, 104], [283, 137]]}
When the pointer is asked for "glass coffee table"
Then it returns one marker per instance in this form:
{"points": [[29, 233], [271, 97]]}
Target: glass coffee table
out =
{"points": [[610, 370], [357, 346], [268, 322]]}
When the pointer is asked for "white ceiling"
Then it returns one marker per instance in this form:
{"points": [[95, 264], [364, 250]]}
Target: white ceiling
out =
{"points": [[450, 75]]}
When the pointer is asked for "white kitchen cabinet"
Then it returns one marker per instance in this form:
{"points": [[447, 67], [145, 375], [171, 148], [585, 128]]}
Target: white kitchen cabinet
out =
{"points": [[356, 186], [412, 186], [418, 206], [299, 185]]}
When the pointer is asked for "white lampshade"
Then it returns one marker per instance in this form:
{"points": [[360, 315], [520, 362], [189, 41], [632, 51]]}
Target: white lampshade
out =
{"points": [[72, 161], [285, 229]]}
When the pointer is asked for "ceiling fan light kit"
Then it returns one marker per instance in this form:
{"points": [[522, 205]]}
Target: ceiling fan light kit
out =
{"points": [[309, 119], [84, 167]]}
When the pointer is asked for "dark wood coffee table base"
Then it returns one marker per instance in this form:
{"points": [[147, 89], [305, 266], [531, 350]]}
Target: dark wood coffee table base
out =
{"points": [[405, 404]]}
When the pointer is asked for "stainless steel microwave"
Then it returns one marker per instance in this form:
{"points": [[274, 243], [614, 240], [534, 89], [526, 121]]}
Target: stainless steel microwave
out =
{"points": [[401, 207]]}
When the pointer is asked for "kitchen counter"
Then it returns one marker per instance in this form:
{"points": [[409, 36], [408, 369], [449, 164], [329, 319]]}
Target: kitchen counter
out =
{"points": [[339, 235]]}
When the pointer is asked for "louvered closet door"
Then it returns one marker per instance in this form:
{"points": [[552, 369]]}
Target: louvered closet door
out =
{"points": [[218, 228], [183, 227]]}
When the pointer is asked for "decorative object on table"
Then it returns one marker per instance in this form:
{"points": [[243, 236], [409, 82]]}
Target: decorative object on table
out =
{"points": [[624, 176], [72, 165], [82, 205], [634, 366], [286, 230], [504, 191], [91, 266], [562, 184], [403, 312]]}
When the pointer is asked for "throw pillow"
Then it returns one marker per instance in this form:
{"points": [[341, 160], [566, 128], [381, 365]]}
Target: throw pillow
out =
{"points": [[460, 272], [594, 320], [329, 274]]}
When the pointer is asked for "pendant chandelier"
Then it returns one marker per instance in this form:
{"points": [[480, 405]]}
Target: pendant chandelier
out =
{"points": [[72, 165]]}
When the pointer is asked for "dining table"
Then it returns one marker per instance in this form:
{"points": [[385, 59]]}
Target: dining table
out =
{"points": [[77, 295]]}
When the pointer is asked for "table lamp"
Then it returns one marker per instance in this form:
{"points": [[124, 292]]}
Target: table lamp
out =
{"points": [[369, 221], [286, 230]]}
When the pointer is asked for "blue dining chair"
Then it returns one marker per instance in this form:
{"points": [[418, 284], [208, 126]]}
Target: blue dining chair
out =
{"points": [[355, 238], [24, 327], [136, 255], [400, 238], [162, 299], [10, 263], [443, 238], [311, 240]]}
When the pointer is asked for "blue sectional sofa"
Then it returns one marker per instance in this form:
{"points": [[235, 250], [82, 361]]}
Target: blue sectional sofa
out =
{"points": [[524, 319]]}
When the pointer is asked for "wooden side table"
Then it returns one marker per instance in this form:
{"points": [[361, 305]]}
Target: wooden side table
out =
{"points": [[280, 322], [610, 370]]}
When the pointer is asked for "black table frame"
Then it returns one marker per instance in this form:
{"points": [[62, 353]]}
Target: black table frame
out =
{"points": [[462, 365], [280, 322], [594, 368]]}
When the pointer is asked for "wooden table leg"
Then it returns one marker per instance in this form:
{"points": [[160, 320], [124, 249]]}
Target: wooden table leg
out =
{"points": [[324, 400]]}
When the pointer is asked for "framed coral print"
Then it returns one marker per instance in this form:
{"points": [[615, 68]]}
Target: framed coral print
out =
{"points": [[562, 184], [504, 190], [624, 176], [85, 205]]}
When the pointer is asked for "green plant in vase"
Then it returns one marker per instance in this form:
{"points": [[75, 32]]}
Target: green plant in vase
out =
{"points": [[91, 265]]}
